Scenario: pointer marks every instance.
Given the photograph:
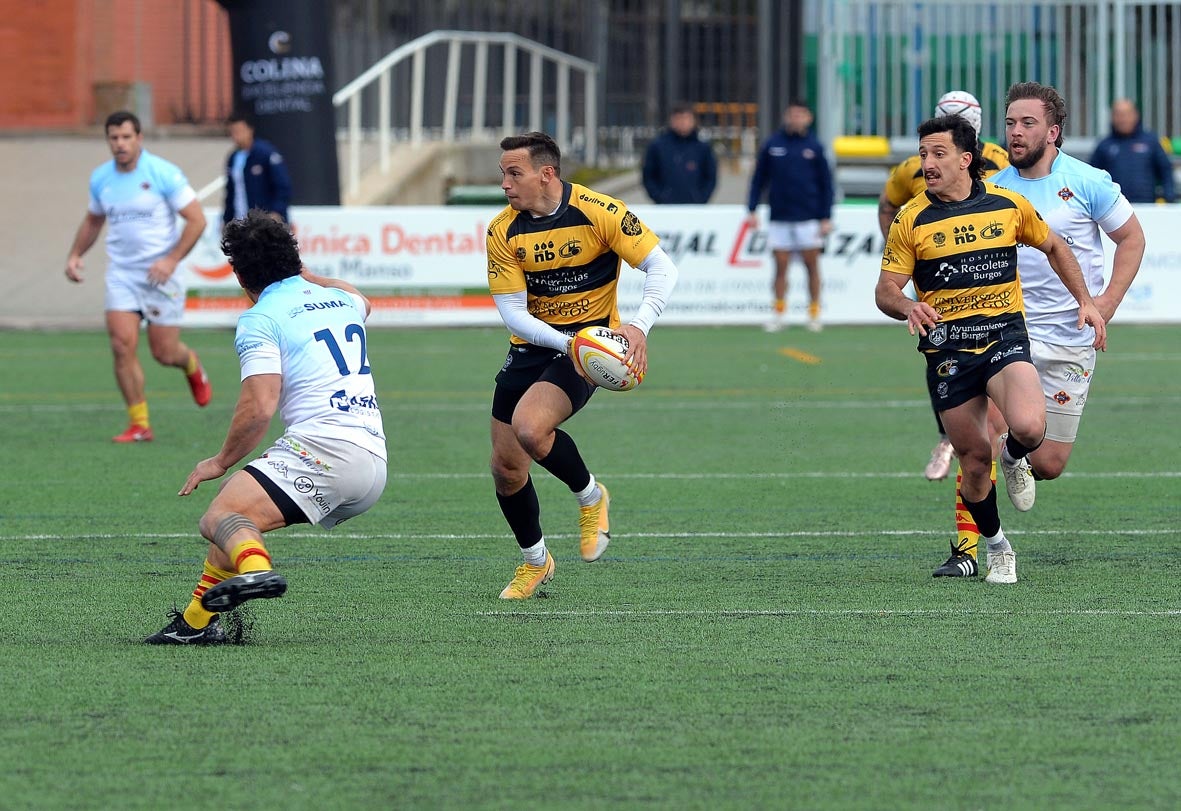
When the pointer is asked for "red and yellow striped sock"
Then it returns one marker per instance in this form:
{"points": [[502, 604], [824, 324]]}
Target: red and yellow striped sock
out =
{"points": [[251, 556], [780, 306], [138, 414], [967, 533], [814, 310], [196, 616]]}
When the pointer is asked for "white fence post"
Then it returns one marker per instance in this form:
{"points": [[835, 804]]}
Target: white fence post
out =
{"points": [[451, 92], [480, 89]]}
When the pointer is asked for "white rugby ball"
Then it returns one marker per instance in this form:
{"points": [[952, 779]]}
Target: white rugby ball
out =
{"points": [[599, 352]]}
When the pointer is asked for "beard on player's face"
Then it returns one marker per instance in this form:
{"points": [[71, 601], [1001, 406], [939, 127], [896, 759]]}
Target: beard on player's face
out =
{"points": [[1032, 155]]}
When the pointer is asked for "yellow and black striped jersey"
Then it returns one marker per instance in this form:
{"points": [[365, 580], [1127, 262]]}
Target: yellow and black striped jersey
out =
{"points": [[906, 181], [962, 258], [568, 262]]}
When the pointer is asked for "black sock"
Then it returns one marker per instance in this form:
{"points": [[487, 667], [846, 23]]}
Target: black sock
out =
{"points": [[523, 514], [565, 462], [984, 513], [1017, 450]]}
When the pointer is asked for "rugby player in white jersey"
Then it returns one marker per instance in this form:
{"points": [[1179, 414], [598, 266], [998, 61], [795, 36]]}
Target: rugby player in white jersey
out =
{"points": [[139, 196], [1077, 201], [302, 348]]}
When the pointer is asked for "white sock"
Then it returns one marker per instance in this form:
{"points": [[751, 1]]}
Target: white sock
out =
{"points": [[535, 555], [1007, 457], [590, 494], [998, 543]]}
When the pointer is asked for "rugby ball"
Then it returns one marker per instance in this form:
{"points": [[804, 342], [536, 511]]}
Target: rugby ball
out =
{"points": [[961, 103], [599, 352]]}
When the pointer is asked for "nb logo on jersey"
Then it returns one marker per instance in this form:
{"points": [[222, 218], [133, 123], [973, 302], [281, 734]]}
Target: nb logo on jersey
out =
{"points": [[544, 252], [964, 234]]}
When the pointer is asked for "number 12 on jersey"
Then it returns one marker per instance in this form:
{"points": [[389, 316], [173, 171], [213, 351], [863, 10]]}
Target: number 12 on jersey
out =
{"points": [[350, 332]]}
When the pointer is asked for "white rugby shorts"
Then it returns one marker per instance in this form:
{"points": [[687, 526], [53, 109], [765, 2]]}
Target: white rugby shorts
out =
{"points": [[1066, 373], [794, 236], [130, 291], [329, 480]]}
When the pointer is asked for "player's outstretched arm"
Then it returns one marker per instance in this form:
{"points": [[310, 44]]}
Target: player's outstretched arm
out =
{"points": [[514, 311], [88, 231], [1125, 264], [888, 295], [660, 277], [257, 402], [1063, 263]]}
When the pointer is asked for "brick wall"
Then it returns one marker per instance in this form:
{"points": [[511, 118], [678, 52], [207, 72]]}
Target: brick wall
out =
{"points": [[67, 63]]}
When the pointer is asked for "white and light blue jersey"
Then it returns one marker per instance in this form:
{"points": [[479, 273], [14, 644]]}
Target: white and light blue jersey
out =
{"points": [[1075, 200], [141, 209], [315, 338]]}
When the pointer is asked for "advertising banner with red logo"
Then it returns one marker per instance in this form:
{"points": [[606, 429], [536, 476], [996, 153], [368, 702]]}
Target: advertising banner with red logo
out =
{"points": [[426, 266]]}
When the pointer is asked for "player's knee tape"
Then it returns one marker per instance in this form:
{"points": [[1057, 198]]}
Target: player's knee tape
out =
{"points": [[230, 525]]}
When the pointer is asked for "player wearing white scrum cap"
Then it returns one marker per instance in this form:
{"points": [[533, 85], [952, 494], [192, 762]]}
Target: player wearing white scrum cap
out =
{"points": [[906, 179], [963, 104]]}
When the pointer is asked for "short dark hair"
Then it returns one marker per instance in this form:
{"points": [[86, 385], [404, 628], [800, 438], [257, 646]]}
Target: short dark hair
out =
{"points": [[543, 151], [682, 107], [261, 250], [1052, 103], [240, 118], [121, 117], [963, 135], [798, 102]]}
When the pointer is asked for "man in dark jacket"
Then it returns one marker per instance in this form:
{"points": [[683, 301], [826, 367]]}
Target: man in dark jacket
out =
{"points": [[792, 167], [1134, 157], [256, 174], [679, 167]]}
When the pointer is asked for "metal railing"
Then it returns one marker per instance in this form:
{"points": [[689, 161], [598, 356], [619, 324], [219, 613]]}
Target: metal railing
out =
{"points": [[511, 46], [884, 63]]}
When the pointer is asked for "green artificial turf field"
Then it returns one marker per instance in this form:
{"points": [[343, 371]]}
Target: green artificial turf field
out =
{"points": [[763, 631]]}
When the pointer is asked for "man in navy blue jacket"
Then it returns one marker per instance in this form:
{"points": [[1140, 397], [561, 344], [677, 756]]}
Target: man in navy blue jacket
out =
{"points": [[1134, 157], [792, 166], [256, 174], [679, 167]]}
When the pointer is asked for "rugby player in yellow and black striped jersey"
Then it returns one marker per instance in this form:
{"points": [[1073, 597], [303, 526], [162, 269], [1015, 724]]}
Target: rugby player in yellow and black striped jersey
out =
{"points": [[958, 243], [554, 257], [904, 184]]}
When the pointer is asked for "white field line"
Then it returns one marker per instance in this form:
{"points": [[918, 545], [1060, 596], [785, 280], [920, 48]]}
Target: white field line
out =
{"points": [[479, 536], [392, 403], [803, 474], [832, 612]]}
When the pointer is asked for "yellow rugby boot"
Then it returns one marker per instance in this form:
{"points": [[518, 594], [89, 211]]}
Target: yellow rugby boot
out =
{"points": [[594, 527], [528, 578]]}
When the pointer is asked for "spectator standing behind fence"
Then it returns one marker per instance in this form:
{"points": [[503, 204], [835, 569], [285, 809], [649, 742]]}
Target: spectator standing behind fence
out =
{"points": [[1134, 157], [792, 167], [679, 166], [256, 174]]}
